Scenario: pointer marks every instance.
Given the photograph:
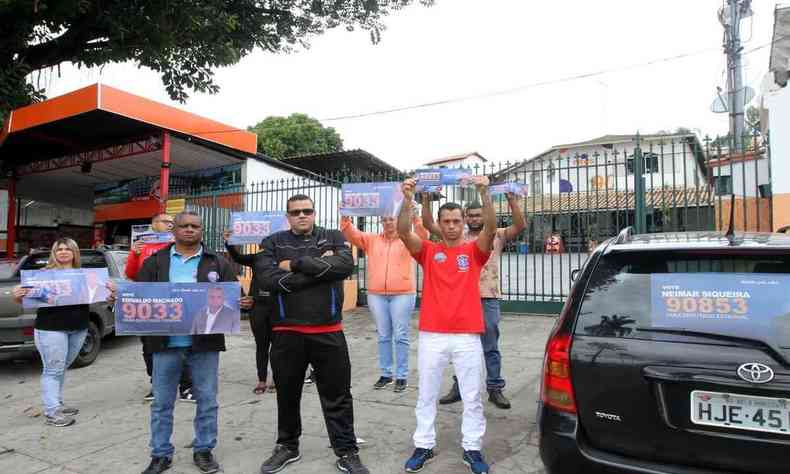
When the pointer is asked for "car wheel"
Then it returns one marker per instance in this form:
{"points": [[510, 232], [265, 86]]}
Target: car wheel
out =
{"points": [[90, 348]]}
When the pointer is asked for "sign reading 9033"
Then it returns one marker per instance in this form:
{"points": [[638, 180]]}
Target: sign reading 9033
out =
{"points": [[172, 310]]}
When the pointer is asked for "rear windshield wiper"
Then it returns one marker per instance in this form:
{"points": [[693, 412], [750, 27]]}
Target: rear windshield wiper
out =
{"points": [[720, 337]]}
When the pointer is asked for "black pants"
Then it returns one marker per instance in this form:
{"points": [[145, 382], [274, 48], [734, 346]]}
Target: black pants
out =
{"points": [[186, 376], [262, 332], [328, 354]]}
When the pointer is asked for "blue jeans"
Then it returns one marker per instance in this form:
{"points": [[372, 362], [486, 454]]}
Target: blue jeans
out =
{"points": [[58, 349], [490, 340], [167, 372], [393, 321]]}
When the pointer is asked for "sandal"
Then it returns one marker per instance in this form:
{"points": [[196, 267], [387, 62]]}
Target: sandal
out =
{"points": [[259, 389]]}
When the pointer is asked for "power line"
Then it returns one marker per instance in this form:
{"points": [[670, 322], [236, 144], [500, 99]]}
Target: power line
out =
{"points": [[540, 83]]}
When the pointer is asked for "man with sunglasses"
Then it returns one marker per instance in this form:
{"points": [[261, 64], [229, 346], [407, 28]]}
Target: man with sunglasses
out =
{"points": [[140, 252], [304, 268]]}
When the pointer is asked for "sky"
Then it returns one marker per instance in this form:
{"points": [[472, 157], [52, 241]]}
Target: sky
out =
{"points": [[469, 48]]}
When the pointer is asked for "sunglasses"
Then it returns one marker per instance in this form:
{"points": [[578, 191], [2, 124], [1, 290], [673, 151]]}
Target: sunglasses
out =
{"points": [[296, 212]]}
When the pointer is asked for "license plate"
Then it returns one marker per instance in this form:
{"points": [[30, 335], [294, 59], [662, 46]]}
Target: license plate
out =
{"points": [[742, 412]]}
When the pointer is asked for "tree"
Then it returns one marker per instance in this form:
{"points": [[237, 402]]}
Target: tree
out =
{"points": [[184, 40], [297, 134], [753, 120]]}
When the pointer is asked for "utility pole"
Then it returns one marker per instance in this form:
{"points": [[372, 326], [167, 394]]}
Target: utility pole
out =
{"points": [[730, 17]]}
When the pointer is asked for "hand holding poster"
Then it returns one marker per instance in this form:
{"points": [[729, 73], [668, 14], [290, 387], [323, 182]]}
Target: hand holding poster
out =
{"points": [[173, 309], [519, 189], [371, 199], [432, 179], [64, 287], [253, 227]]}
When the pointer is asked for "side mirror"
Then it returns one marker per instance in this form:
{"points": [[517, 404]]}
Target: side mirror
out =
{"points": [[575, 274]]}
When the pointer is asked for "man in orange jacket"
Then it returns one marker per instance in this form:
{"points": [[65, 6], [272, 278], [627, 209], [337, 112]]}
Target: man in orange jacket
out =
{"points": [[139, 253]]}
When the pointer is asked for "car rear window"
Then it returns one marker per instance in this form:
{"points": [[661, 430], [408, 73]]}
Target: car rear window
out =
{"points": [[631, 294], [87, 259]]}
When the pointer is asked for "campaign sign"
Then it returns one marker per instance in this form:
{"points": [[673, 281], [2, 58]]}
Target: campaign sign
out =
{"points": [[140, 229], [253, 227], [746, 305], [64, 287], [432, 179], [371, 199], [519, 189], [177, 309], [146, 235]]}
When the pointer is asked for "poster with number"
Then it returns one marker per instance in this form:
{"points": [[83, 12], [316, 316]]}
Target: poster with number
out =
{"points": [[747, 305], [519, 189], [253, 227], [146, 235], [177, 309], [64, 287], [432, 179], [371, 199]]}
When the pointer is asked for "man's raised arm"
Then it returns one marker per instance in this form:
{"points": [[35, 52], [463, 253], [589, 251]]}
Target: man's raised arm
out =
{"points": [[519, 221], [427, 215], [486, 238], [410, 239]]}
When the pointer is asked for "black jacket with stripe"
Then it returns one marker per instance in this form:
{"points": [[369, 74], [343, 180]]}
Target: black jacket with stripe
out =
{"points": [[311, 294]]}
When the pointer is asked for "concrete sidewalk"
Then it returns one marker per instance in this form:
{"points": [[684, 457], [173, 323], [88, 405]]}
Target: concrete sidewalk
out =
{"points": [[111, 434]]}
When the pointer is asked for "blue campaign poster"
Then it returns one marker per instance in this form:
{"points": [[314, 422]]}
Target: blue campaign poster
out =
{"points": [[748, 305], [253, 227], [177, 309], [371, 199], [432, 179], [64, 287], [519, 189]]}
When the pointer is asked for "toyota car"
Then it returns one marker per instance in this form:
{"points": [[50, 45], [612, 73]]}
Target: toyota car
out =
{"points": [[672, 355]]}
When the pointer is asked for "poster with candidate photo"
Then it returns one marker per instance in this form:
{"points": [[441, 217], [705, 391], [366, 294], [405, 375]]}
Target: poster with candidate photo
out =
{"points": [[371, 199], [433, 179], [177, 309], [48, 288], [253, 227]]}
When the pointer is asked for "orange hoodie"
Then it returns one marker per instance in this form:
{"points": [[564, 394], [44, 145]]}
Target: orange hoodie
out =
{"points": [[390, 267]]}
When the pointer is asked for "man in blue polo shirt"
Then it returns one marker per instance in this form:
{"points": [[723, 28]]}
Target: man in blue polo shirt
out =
{"points": [[186, 261]]}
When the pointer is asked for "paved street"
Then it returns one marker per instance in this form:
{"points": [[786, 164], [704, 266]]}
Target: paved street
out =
{"points": [[111, 435]]}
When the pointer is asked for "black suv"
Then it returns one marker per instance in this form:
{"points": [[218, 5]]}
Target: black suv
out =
{"points": [[672, 355]]}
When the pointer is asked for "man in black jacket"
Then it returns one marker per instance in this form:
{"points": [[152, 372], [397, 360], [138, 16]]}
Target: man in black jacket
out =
{"points": [[305, 267], [185, 261]]}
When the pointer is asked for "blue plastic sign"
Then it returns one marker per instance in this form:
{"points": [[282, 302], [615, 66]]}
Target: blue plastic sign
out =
{"points": [[748, 305], [253, 227], [371, 199], [177, 309], [519, 189], [432, 179], [48, 288]]}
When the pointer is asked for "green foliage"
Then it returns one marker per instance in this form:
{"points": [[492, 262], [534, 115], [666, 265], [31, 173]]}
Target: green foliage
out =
{"points": [[297, 134], [184, 40]]}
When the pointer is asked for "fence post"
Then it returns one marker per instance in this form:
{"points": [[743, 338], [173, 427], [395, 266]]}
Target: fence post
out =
{"points": [[640, 213]]}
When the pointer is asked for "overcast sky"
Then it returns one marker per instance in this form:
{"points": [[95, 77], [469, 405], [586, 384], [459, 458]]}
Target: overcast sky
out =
{"points": [[461, 48]]}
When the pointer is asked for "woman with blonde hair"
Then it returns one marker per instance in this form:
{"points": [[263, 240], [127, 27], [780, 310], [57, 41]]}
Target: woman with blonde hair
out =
{"points": [[59, 333]]}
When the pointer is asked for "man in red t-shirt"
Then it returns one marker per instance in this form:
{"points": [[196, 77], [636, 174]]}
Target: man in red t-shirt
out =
{"points": [[451, 321], [139, 253]]}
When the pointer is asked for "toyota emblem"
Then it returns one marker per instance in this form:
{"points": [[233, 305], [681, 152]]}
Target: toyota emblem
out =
{"points": [[754, 372]]}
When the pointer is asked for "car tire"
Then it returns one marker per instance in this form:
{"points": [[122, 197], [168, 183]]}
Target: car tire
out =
{"points": [[90, 349]]}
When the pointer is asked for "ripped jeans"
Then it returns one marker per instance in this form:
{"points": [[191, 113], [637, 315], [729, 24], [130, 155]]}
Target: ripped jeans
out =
{"points": [[58, 349]]}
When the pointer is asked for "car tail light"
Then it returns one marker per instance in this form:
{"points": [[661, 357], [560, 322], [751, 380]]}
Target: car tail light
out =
{"points": [[557, 389], [27, 332]]}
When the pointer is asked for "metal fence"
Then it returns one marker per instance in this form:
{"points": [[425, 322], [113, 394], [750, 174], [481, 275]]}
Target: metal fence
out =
{"points": [[579, 196]]}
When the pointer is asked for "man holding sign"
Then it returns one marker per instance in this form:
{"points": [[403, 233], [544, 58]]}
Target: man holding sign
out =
{"points": [[185, 261]]}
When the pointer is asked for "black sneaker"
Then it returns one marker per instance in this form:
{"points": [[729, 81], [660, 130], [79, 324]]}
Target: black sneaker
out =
{"points": [[400, 385], [351, 463], [496, 397], [186, 396], [158, 465], [149, 397], [281, 457], [453, 396], [59, 419], [382, 382], [205, 461], [309, 379]]}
